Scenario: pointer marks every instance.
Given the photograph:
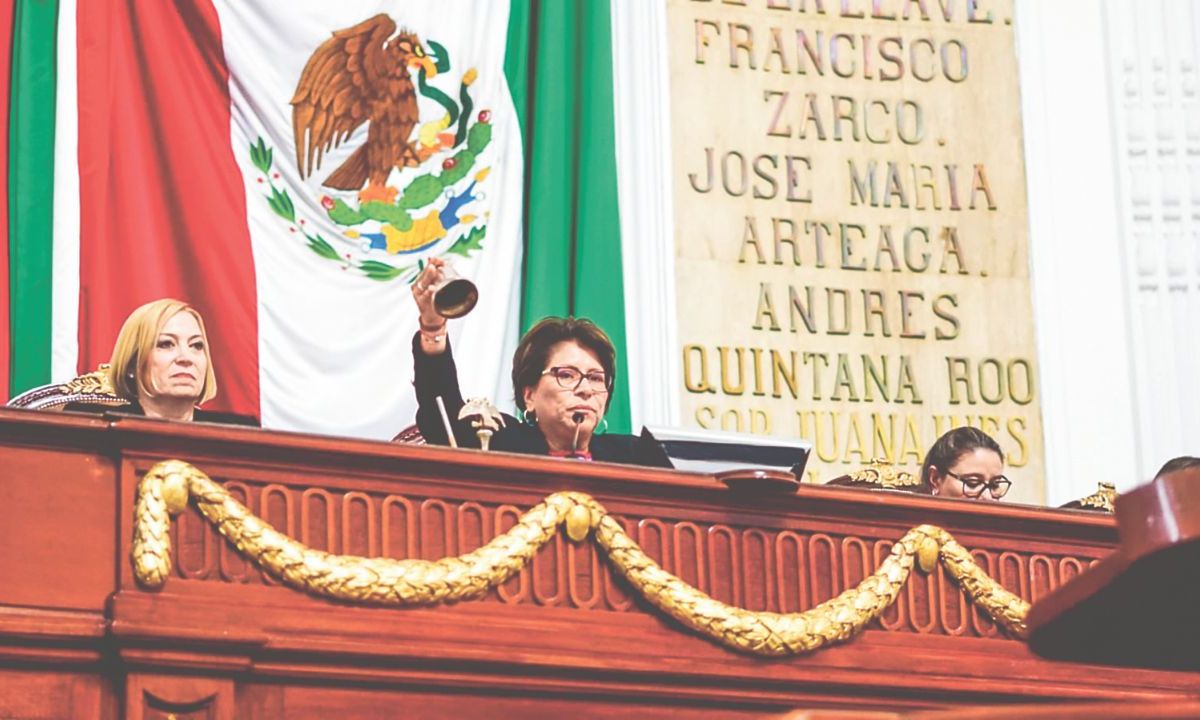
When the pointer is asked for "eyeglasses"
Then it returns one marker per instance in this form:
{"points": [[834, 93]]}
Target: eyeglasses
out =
{"points": [[571, 378], [974, 485]]}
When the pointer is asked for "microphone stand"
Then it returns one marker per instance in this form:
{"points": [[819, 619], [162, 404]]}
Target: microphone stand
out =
{"points": [[578, 417]]}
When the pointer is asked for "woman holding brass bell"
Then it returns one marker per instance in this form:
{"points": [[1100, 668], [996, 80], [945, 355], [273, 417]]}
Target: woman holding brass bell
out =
{"points": [[563, 373]]}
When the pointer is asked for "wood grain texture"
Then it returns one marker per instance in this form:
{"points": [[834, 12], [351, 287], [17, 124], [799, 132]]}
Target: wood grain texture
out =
{"points": [[565, 635], [1150, 579]]}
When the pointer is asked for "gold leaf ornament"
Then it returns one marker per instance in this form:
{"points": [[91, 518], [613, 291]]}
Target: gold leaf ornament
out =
{"points": [[169, 485], [579, 523], [93, 383]]}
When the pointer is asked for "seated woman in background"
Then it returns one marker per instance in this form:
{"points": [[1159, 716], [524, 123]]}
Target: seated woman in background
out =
{"points": [[965, 463], [162, 365], [563, 373]]}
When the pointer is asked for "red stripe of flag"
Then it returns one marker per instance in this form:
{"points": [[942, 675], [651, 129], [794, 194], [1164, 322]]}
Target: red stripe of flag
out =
{"points": [[163, 211]]}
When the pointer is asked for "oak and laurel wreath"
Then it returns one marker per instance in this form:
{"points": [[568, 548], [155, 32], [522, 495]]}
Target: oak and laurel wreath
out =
{"points": [[419, 193]]}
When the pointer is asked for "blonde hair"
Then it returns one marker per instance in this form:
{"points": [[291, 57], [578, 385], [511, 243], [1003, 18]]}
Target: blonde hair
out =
{"points": [[135, 342]]}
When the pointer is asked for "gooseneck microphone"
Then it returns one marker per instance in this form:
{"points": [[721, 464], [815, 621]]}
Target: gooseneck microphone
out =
{"points": [[578, 418]]}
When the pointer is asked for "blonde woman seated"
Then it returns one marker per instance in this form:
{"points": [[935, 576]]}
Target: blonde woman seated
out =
{"points": [[162, 365]]}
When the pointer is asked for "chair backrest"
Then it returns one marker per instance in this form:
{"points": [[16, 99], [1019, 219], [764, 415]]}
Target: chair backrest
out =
{"points": [[1103, 500], [410, 435], [881, 475], [90, 389]]}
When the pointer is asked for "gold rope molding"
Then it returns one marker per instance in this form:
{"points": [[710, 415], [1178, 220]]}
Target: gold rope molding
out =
{"points": [[168, 487]]}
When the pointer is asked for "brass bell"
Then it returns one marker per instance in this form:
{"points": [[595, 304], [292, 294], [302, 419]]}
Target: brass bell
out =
{"points": [[454, 296]]}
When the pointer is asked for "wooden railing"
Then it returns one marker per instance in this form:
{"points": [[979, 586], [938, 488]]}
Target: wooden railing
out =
{"points": [[221, 639]]}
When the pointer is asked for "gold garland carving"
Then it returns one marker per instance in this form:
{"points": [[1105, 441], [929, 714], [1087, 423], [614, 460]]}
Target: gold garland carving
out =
{"points": [[168, 486]]}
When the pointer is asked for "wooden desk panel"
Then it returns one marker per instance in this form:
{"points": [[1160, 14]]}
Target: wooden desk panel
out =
{"points": [[761, 558], [565, 630]]}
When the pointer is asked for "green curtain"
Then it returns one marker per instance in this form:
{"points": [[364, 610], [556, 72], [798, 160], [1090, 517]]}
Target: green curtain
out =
{"points": [[31, 190], [559, 70]]}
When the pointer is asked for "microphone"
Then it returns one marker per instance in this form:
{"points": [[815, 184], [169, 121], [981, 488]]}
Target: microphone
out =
{"points": [[578, 418]]}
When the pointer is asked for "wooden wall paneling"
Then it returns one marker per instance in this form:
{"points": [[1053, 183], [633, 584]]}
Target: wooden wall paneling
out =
{"points": [[308, 703], [37, 694], [177, 697], [76, 523]]}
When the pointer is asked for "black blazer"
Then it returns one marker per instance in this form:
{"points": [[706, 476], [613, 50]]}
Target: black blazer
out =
{"points": [[205, 416], [435, 375]]}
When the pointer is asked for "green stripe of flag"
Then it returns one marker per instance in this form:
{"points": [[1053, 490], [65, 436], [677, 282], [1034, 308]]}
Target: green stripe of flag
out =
{"points": [[517, 56], [599, 287], [551, 161], [31, 190], [559, 70]]}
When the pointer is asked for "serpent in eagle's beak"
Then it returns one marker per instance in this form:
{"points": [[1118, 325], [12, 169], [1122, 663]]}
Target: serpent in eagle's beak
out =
{"points": [[420, 60]]}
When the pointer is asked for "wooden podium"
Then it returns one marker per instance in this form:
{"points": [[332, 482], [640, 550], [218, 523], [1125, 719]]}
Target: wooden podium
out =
{"points": [[1146, 595], [80, 638]]}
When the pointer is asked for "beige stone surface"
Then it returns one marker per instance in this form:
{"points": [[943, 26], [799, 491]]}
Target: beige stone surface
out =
{"points": [[856, 168]]}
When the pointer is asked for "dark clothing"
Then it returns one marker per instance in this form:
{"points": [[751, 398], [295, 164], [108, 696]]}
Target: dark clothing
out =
{"points": [[435, 375], [204, 416]]}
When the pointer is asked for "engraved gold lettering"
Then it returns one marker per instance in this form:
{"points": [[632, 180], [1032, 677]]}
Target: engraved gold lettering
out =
{"points": [[855, 444], [694, 385], [766, 310], [1016, 430], [942, 313], [906, 313], [958, 371], [907, 382], [750, 239], [783, 374], [844, 379], [728, 386], [874, 307]]}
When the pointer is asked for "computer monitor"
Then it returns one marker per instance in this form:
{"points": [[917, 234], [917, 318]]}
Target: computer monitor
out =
{"points": [[710, 451]]}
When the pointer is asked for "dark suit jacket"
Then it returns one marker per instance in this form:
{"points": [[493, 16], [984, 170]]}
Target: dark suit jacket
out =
{"points": [[435, 375], [205, 416]]}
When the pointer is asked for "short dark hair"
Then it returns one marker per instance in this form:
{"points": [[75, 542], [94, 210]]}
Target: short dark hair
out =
{"points": [[529, 361], [952, 446], [1183, 462]]}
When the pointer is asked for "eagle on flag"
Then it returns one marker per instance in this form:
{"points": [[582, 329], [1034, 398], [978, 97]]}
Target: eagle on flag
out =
{"points": [[360, 75]]}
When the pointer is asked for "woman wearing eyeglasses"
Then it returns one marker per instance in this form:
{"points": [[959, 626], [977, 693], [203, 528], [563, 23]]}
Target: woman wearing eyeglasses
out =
{"points": [[966, 463], [562, 375]]}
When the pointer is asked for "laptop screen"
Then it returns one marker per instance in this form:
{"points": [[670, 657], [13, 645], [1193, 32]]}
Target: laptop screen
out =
{"points": [[709, 451]]}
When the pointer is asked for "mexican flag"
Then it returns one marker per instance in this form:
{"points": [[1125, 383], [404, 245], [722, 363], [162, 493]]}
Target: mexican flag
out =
{"points": [[180, 149], [287, 168]]}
